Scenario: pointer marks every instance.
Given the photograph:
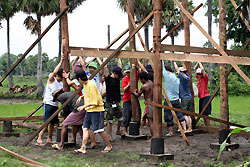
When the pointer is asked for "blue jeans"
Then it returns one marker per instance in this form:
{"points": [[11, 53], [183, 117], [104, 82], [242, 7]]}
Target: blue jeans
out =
{"points": [[168, 117], [126, 113], [49, 110]]}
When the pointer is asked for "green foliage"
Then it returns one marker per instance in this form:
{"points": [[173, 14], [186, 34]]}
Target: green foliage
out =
{"points": [[236, 130]]}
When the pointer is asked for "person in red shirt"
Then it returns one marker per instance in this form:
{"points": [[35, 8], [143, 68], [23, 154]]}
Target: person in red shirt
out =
{"points": [[127, 111], [203, 92]]}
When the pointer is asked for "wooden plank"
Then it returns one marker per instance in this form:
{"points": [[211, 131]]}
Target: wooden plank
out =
{"points": [[229, 59], [93, 52], [192, 49], [33, 45], [212, 129], [22, 158], [91, 77], [194, 114], [26, 125], [33, 112], [20, 118]]}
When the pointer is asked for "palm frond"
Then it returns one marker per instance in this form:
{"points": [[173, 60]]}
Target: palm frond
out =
{"points": [[32, 24]]}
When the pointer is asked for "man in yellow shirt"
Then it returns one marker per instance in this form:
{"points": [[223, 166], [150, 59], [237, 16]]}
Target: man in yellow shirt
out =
{"points": [[94, 106]]}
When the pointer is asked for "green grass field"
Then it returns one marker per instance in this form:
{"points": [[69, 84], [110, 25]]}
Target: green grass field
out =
{"points": [[238, 109]]}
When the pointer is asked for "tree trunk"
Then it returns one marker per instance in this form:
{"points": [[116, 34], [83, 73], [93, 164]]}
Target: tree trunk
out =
{"points": [[157, 94], [172, 43], [59, 41], [40, 86], [133, 73], [224, 109], [108, 34], [146, 35], [209, 16], [65, 43], [10, 78]]}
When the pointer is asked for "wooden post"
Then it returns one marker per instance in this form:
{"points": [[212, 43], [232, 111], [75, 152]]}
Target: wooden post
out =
{"points": [[133, 73], [157, 95], [187, 43], [224, 110], [65, 43], [108, 34]]}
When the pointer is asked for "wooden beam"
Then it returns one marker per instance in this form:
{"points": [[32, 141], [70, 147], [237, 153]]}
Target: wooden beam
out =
{"points": [[223, 53], [20, 118], [212, 129], [194, 114], [192, 49], [33, 112], [26, 125], [33, 45], [22, 158], [92, 52], [91, 77]]}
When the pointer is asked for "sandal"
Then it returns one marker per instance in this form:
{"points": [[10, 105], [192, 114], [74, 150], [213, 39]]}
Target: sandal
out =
{"points": [[107, 149], [41, 144], [80, 151], [169, 135], [56, 146], [91, 146]]}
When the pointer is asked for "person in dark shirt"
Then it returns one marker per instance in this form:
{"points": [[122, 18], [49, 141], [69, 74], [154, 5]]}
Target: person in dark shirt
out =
{"points": [[75, 118], [113, 97]]}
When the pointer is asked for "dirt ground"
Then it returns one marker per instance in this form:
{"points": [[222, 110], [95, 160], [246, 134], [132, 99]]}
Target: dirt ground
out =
{"points": [[198, 154]]}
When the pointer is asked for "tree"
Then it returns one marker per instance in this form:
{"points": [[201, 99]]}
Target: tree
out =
{"points": [[7, 10]]}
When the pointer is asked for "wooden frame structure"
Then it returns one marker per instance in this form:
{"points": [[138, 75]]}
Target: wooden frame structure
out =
{"points": [[156, 56]]}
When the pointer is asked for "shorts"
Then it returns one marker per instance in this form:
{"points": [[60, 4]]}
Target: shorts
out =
{"points": [[126, 113], [186, 104], [74, 118], [94, 121], [113, 109], [168, 117], [49, 110], [202, 103]]}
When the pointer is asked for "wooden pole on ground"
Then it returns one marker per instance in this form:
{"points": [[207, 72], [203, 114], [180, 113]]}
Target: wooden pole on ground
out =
{"points": [[133, 62], [33, 45], [32, 113], [224, 109], [194, 114], [175, 117], [22, 158], [157, 95], [91, 77], [65, 43]]}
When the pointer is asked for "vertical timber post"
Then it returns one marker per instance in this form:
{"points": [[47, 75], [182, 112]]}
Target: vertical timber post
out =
{"points": [[133, 78], [187, 64], [108, 34], [224, 109], [65, 42], [157, 142]]}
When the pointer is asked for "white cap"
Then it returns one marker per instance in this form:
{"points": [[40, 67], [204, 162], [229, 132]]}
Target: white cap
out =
{"points": [[182, 69], [198, 71]]}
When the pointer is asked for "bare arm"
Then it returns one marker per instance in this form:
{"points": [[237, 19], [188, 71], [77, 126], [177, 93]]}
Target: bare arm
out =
{"points": [[141, 66], [100, 63], [106, 70], [202, 69], [119, 63], [74, 62], [82, 61], [176, 68], [51, 77], [196, 67]]}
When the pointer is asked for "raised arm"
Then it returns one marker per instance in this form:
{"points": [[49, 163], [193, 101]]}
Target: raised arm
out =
{"points": [[176, 68], [196, 67], [141, 66], [202, 69], [51, 77], [74, 62], [119, 63], [163, 67], [82, 61], [106, 70], [100, 63]]}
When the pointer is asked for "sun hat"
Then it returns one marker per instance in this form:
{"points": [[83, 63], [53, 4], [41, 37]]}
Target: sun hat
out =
{"points": [[93, 64], [198, 71], [127, 68], [55, 93]]}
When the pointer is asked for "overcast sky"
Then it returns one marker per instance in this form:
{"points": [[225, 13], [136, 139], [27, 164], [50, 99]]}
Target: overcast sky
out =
{"points": [[88, 28]]}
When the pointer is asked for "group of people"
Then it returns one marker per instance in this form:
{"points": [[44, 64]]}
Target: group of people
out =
{"points": [[86, 111]]}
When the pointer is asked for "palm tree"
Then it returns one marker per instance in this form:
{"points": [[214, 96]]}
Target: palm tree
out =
{"points": [[7, 10]]}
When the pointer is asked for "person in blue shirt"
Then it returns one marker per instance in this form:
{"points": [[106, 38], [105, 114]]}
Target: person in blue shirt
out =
{"points": [[185, 93], [172, 88]]}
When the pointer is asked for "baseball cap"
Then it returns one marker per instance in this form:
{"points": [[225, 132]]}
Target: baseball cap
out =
{"points": [[182, 69], [55, 93], [118, 71], [198, 71], [127, 68], [149, 68], [93, 64]]}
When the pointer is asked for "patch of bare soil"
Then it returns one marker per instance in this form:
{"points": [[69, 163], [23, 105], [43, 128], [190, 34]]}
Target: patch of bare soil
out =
{"points": [[18, 101], [198, 154]]}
